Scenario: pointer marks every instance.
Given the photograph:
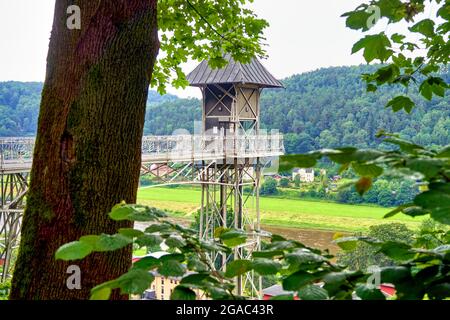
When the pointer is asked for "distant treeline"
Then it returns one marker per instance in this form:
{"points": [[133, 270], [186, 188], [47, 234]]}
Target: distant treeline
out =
{"points": [[320, 109]]}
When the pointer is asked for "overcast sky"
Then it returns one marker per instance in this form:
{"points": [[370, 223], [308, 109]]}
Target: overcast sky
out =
{"points": [[304, 35]]}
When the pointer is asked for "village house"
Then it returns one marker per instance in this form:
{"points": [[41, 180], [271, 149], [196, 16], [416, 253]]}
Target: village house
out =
{"points": [[306, 175], [162, 287]]}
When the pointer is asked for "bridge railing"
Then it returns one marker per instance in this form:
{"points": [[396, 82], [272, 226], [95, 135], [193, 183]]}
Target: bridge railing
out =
{"points": [[197, 147], [16, 150], [176, 147]]}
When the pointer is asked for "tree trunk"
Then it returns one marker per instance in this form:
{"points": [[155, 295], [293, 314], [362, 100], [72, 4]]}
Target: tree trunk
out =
{"points": [[88, 147]]}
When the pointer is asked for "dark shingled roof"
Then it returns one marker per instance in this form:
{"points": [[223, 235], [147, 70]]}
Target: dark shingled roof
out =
{"points": [[235, 72]]}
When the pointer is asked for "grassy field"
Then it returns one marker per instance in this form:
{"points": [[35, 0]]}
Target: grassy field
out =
{"points": [[282, 212]]}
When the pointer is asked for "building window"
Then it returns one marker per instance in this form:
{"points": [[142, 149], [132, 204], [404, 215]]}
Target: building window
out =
{"points": [[162, 281]]}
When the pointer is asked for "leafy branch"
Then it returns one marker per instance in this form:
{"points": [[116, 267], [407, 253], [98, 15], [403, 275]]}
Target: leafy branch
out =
{"points": [[400, 68]]}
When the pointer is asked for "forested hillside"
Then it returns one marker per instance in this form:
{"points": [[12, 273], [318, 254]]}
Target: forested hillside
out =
{"points": [[330, 108], [320, 109], [19, 108]]}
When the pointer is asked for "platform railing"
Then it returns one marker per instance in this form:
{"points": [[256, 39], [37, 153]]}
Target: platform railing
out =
{"points": [[198, 147]]}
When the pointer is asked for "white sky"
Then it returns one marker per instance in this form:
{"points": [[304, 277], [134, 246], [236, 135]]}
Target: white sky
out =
{"points": [[304, 35]]}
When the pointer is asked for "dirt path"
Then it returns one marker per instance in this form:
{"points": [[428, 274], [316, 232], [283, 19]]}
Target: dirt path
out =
{"points": [[313, 238], [320, 239]]}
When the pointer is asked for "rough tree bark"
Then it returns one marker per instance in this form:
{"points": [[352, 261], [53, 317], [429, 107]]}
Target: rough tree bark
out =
{"points": [[87, 155]]}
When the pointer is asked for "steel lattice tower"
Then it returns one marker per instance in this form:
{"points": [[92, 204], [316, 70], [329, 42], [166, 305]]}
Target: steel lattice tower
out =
{"points": [[15, 164], [230, 185]]}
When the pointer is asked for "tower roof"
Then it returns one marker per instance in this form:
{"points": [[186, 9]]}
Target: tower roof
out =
{"points": [[235, 72]]}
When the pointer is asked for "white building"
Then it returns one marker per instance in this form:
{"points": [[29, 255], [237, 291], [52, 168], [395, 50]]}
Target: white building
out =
{"points": [[306, 175]]}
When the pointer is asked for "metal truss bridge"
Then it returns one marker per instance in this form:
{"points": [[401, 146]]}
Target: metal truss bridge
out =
{"points": [[177, 159]]}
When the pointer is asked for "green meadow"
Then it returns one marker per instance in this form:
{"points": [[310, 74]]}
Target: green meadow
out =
{"points": [[298, 213]]}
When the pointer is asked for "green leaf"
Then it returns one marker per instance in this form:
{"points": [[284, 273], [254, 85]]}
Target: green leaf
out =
{"points": [[428, 167], [267, 253], [358, 20], [266, 266], [158, 228], [146, 263], [387, 74], [369, 293], [347, 243], [111, 242], [425, 27], [397, 38], [367, 170], [172, 268], [394, 274], [183, 293], [102, 291], [277, 237], [175, 242], [343, 156], [441, 214], [299, 279], [289, 162], [438, 202], [401, 102], [396, 211], [146, 214], [425, 90], [195, 264], [173, 256], [303, 256], [391, 9], [135, 212], [90, 239], [350, 243], [73, 251], [371, 87], [233, 238], [404, 145], [237, 268], [219, 231], [397, 250], [415, 211], [121, 212], [149, 240], [336, 277], [197, 279], [130, 232], [101, 294], [134, 281], [312, 292], [444, 152], [375, 47], [213, 246], [283, 245]]}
